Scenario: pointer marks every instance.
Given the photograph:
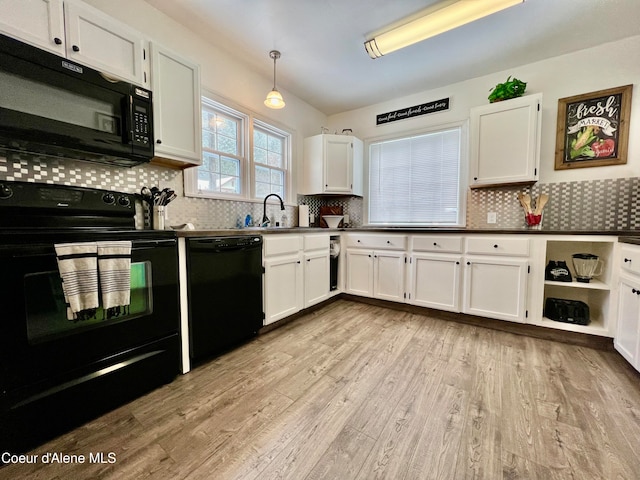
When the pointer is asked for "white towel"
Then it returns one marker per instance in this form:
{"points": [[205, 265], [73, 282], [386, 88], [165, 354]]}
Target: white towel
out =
{"points": [[77, 263], [114, 265]]}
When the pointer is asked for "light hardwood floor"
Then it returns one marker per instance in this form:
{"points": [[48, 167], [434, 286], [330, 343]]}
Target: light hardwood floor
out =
{"points": [[355, 391]]}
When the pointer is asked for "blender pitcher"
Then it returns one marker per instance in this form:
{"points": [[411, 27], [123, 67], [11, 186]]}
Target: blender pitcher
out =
{"points": [[586, 266]]}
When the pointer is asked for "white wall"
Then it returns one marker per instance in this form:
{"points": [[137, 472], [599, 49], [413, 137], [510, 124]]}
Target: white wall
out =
{"points": [[221, 73], [607, 66]]}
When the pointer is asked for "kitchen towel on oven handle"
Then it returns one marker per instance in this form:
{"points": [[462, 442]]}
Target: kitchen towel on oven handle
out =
{"points": [[114, 266], [78, 267]]}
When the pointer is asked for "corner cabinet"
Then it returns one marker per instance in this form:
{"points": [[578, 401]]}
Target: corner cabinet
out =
{"points": [[627, 336], [332, 165], [79, 32], [177, 118], [505, 142]]}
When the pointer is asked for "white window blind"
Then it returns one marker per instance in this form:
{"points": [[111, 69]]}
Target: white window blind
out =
{"points": [[416, 180]]}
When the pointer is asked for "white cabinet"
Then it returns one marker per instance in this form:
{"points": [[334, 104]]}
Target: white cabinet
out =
{"points": [[316, 268], [627, 333], [435, 281], [505, 142], [627, 336], [296, 273], [177, 119], [495, 287], [283, 276], [359, 272], [389, 275], [80, 33], [332, 164], [282, 287], [37, 22], [376, 265]]}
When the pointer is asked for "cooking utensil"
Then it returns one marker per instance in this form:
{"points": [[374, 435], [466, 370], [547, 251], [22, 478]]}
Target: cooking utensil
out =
{"points": [[540, 203], [526, 201]]}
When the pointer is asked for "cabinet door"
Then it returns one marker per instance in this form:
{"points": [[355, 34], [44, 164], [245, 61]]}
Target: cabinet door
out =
{"points": [[627, 329], [177, 120], [38, 22], [505, 141], [99, 41], [282, 287], [338, 156], [360, 272], [495, 288], [388, 275], [435, 281], [316, 278]]}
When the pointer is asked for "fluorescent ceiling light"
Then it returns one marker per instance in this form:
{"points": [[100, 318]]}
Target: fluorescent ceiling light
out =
{"points": [[441, 18]]}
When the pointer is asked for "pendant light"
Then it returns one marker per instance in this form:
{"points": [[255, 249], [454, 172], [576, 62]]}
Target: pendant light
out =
{"points": [[442, 17], [274, 98]]}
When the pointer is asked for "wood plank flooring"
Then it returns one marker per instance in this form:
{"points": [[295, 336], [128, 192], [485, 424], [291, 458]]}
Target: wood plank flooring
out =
{"points": [[357, 391]]}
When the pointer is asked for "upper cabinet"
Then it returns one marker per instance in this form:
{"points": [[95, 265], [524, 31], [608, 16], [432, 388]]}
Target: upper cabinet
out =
{"points": [[78, 32], [177, 125], [505, 142], [332, 165], [38, 22]]}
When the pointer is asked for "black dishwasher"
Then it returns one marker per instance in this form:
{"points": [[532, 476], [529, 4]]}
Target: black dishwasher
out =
{"points": [[225, 292]]}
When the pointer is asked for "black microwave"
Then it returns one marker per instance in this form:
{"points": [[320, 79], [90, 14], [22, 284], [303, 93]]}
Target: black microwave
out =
{"points": [[51, 106]]}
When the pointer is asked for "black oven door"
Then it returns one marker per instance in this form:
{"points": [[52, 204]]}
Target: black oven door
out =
{"points": [[39, 346]]}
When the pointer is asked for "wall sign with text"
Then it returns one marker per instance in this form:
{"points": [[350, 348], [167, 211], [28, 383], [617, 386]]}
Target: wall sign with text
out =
{"points": [[593, 129], [415, 111]]}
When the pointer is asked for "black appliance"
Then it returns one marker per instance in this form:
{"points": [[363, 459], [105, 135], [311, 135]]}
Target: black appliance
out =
{"points": [[51, 106], [567, 311], [557, 271], [56, 373], [225, 292]]}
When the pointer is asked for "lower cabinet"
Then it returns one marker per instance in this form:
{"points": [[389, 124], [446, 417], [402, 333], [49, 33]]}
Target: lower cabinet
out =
{"points": [[435, 281], [282, 287], [627, 336], [378, 274], [296, 273], [316, 277], [495, 288]]}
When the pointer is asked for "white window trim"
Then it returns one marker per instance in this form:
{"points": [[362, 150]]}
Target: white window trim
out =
{"points": [[247, 167], [464, 168]]}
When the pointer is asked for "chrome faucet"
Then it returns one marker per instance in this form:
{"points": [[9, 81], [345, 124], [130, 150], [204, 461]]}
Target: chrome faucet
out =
{"points": [[265, 220]]}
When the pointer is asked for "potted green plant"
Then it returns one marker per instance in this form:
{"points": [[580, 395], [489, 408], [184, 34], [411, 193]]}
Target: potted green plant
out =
{"points": [[509, 89]]}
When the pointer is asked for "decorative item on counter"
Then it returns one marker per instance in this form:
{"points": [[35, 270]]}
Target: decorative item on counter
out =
{"points": [[158, 200], [557, 271], [333, 210], [509, 89], [533, 216]]}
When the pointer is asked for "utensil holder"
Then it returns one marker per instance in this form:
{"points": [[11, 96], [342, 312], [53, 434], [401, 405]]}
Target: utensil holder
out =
{"points": [[533, 221], [158, 217]]}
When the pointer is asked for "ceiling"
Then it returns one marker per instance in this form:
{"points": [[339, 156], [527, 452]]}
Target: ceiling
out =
{"points": [[322, 42]]}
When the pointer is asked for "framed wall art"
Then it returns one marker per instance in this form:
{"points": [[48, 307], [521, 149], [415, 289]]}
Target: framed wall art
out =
{"points": [[593, 129]]}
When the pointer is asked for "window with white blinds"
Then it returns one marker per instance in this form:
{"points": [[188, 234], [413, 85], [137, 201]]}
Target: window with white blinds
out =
{"points": [[417, 180]]}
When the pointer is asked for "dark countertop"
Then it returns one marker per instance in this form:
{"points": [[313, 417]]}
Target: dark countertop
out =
{"points": [[629, 236], [631, 240]]}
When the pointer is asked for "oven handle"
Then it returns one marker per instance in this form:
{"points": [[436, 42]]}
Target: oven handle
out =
{"points": [[47, 250]]}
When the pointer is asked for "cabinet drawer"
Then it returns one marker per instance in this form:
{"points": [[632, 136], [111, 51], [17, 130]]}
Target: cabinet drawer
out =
{"points": [[630, 259], [378, 242], [319, 241], [498, 246], [437, 244], [281, 244]]}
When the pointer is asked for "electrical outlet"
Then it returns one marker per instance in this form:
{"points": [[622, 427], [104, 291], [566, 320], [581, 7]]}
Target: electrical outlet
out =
{"points": [[345, 220], [492, 217]]}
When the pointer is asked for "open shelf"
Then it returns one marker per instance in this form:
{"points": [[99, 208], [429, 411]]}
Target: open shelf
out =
{"points": [[593, 284], [596, 294]]}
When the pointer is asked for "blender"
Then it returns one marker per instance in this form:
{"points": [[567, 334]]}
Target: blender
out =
{"points": [[586, 266]]}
